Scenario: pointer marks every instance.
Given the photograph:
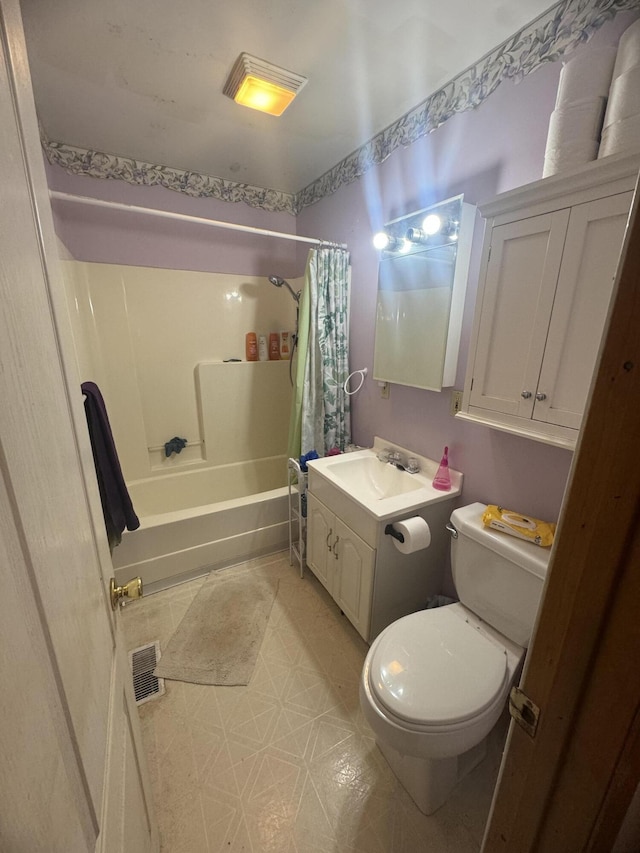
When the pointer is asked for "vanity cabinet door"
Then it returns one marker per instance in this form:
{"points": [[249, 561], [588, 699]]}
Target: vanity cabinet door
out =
{"points": [[519, 289], [320, 536], [589, 264], [353, 578]]}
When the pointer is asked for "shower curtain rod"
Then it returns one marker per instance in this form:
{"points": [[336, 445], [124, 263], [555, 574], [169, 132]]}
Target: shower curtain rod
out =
{"points": [[185, 217]]}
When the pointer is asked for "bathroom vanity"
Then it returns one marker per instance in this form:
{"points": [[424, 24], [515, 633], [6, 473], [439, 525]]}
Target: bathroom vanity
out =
{"points": [[350, 501], [550, 256]]}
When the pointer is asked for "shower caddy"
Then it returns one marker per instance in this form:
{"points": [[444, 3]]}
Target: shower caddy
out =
{"points": [[297, 481]]}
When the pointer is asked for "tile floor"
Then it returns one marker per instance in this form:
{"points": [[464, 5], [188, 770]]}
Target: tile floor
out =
{"points": [[288, 763]]}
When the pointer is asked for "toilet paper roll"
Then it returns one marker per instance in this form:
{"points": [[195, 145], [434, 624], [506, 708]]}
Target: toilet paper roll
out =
{"points": [[577, 122], [417, 535], [569, 156], [624, 97], [628, 50], [588, 73], [621, 137]]}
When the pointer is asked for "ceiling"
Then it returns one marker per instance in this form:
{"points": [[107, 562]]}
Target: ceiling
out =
{"points": [[144, 78]]}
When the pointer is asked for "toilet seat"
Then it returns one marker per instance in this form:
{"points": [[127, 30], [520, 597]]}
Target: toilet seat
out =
{"points": [[462, 675]]}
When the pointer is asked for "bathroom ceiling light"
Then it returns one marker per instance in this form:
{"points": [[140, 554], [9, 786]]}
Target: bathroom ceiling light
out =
{"points": [[262, 86]]}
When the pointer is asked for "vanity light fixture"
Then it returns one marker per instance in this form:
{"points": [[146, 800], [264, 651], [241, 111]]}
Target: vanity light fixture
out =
{"points": [[386, 242], [258, 84]]}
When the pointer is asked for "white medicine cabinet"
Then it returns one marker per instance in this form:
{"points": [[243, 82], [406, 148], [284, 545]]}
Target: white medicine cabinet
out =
{"points": [[549, 262], [422, 280]]}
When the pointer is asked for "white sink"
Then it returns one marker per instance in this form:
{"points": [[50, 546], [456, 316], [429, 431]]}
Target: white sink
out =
{"points": [[380, 488], [370, 478]]}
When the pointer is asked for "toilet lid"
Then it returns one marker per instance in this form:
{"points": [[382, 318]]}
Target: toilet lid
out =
{"points": [[433, 667]]}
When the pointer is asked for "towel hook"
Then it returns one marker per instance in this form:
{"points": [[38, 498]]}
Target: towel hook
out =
{"points": [[362, 373]]}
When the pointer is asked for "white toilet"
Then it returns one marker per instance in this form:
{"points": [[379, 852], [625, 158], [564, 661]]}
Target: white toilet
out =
{"points": [[435, 682]]}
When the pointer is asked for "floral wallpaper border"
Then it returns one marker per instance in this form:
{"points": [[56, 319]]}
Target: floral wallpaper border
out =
{"points": [[96, 164], [549, 37]]}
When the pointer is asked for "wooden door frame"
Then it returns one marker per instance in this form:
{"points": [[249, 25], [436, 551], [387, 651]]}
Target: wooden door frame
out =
{"points": [[569, 788]]}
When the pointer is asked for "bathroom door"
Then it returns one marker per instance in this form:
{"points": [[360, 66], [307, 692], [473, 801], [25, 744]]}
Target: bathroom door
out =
{"points": [[72, 775]]}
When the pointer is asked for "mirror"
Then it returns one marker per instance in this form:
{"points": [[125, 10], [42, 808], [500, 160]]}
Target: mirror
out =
{"points": [[422, 280]]}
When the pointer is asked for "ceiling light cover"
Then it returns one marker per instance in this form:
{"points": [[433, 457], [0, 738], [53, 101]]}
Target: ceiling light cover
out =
{"points": [[262, 86]]}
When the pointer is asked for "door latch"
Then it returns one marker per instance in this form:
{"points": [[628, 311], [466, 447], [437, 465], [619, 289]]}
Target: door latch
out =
{"points": [[525, 712]]}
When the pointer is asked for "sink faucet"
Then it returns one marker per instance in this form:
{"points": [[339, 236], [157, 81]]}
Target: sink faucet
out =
{"points": [[394, 457]]}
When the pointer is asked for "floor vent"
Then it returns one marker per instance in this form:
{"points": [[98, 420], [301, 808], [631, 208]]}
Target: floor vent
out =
{"points": [[143, 661]]}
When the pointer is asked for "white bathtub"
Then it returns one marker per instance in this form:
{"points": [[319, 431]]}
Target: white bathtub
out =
{"points": [[193, 521]]}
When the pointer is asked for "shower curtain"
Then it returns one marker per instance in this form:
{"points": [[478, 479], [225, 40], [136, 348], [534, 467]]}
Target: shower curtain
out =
{"points": [[320, 414]]}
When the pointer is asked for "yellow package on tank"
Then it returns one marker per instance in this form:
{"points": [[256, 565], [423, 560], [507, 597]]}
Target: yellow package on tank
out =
{"points": [[522, 526]]}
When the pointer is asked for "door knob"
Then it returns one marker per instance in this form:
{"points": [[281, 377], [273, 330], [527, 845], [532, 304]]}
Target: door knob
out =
{"points": [[541, 396], [132, 589], [526, 394]]}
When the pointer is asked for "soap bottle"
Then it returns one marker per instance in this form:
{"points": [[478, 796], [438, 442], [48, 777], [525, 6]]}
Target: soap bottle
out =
{"points": [[263, 351], [251, 346], [442, 480]]}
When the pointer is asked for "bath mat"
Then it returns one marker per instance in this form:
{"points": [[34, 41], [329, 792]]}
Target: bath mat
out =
{"points": [[220, 636]]}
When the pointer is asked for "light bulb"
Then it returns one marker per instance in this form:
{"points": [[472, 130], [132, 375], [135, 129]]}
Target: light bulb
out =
{"points": [[381, 240], [389, 243], [431, 224]]}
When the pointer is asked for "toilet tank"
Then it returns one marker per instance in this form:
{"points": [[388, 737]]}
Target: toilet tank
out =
{"points": [[497, 576]]}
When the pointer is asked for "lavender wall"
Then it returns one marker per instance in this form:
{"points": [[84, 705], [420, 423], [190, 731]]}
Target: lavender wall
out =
{"points": [[104, 236]]}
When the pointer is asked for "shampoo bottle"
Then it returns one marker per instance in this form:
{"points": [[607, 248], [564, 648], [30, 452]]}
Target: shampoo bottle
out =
{"points": [[274, 346], [251, 346], [442, 480], [284, 345]]}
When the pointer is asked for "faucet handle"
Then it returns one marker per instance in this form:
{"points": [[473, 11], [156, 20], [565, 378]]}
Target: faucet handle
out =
{"points": [[413, 466], [384, 454]]}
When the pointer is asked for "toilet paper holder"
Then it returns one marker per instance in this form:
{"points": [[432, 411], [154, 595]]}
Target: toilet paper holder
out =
{"points": [[391, 531]]}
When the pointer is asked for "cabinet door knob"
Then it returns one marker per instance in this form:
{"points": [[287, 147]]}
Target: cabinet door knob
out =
{"points": [[329, 537], [541, 396], [525, 395], [335, 547]]}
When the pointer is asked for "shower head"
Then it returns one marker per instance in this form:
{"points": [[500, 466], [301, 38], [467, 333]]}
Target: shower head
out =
{"points": [[278, 282]]}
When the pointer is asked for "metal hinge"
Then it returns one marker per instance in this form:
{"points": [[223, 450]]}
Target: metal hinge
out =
{"points": [[524, 711]]}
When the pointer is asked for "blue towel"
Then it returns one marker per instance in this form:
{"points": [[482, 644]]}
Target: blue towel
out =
{"points": [[306, 457], [175, 445], [116, 504]]}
